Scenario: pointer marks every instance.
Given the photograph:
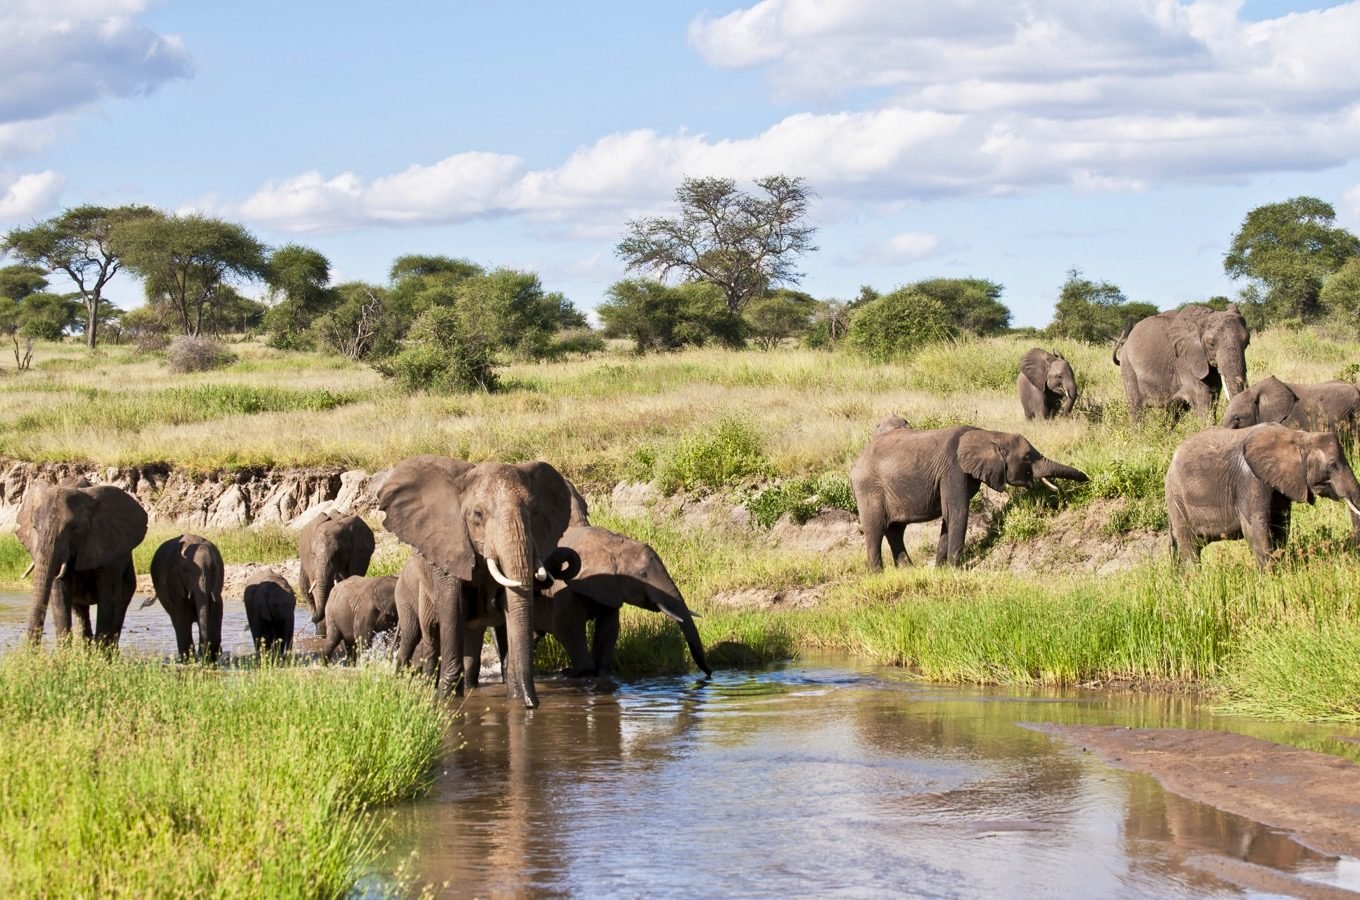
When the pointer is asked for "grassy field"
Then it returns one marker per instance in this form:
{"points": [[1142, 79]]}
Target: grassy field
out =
{"points": [[777, 432]]}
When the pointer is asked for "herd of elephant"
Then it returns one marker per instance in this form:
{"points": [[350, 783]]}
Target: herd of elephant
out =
{"points": [[506, 547], [510, 547], [1278, 444]]}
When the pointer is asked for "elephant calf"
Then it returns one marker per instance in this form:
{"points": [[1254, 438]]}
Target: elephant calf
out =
{"points": [[359, 607], [1329, 406], [1046, 384], [331, 547], [1225, 484], [187, 572], [270, 607]]}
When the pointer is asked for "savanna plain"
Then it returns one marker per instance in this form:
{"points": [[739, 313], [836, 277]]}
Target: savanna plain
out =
{"points": [[149, 754]]}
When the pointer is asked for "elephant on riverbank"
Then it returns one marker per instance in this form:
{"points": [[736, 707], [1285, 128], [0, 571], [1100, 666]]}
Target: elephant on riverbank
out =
{"points": [[270, 607], [1183, 358], [1046, 384], [81, 538], [188, 572], [907, 476], [331, 547], [359, 607], [1226, 484], [482, 528], [1329, 406]]}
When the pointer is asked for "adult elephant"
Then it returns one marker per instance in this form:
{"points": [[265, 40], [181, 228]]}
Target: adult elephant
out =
{"points": [[482, 527], [359, 608], [1225, 484], [906, 476], [1046, 384], [1329, 406], [270, 608], [81, 538], [187, 572], [332, 547], [1181, 358]]}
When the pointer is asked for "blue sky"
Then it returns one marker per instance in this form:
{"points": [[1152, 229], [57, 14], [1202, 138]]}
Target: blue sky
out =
{"points": [[1009, 140]]}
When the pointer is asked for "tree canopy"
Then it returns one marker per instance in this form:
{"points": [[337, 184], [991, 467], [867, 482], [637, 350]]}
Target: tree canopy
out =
{"points": [[744, 244], [898, 323], [1290, 248], [299, 288], [974, 304], [1093, 311]]}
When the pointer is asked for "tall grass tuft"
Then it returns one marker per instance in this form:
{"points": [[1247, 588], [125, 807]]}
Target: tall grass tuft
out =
{"points": [[126, 778]]}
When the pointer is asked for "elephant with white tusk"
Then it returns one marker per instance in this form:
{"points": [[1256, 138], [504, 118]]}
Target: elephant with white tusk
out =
{"points": [[1185, 357]]}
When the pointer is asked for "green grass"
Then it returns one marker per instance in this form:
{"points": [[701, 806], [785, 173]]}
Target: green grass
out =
{"points": [[129, 778]]}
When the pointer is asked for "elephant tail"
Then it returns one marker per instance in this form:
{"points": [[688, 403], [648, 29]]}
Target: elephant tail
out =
{"points": [[1123, 336], [148, 601]]}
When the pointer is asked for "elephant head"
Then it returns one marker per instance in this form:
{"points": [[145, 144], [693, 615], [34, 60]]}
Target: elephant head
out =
{"points": [[333, 547], [489, 525], [999, 458], [1302, 465], [73, 527], [1050, 373], [1204, 338], [1270, 400], [891, 423]]}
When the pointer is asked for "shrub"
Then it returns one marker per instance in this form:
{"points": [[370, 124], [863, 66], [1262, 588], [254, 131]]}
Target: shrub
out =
{"points": [[718, 459], [197, 354], [440, 358], [897, 324], [802, 498]]}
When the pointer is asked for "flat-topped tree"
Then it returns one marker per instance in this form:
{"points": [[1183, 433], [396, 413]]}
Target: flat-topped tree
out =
{"points": [[78, 243]]}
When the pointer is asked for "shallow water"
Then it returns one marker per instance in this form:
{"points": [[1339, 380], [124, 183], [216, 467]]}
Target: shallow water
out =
{"points": [[820, 778]]}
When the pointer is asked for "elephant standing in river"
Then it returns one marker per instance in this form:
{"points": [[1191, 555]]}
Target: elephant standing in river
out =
{"points": [[270, 608], [1329, 406], [359, 608], [332, 547], [1046, 384], [907, 476], [482, 528], [187, 572], [1225, 484], [1181, 358], [81, 538]]}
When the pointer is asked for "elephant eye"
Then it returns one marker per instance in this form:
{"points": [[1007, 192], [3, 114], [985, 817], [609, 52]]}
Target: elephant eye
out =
{"points": [[477, 516]]}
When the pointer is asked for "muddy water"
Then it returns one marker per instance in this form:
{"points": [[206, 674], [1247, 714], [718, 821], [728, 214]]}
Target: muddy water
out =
{"points": [[812, 779]]}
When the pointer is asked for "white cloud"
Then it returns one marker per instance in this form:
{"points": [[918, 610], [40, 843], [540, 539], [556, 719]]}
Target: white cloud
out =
{"points": [[907, 247], [29, 196], [1348, 211]]}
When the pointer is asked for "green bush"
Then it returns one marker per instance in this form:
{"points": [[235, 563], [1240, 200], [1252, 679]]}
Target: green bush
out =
{"points": [[897, 324], [440, 357], [717, 459], [802, 498]]}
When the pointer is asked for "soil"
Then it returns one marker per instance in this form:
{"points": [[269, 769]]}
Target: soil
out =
{"points": [[1313, 796]]}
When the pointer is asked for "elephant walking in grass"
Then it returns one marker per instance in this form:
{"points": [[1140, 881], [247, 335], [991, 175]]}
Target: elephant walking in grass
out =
{"points": [[1329, 406], [359, 608], [187, 572], [81, 538], [1183, 358], [1226, 484], [907, 476], [1046, 384], [270, 607], [332, 547]]}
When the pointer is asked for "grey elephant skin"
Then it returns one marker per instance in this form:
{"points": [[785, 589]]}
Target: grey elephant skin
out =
{"points": [[81, 538], [359, 607], [1329, 406], [483, 528], [1183, 358], [187, 572], [332, 547], [907, 476], [270, 608], [1226, 484], [1046, 384]]}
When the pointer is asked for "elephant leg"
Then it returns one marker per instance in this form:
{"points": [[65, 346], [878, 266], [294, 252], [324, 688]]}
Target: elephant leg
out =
{"points": [[1131, 393], [1257, 530], [571, 612], [81, 616], [606, 638], [872, 524], [352, 651], [897, 546], [210, 628], [449, 606], [473, 640], [328, 649], [953, 529], [501, 635], [408, 636]]}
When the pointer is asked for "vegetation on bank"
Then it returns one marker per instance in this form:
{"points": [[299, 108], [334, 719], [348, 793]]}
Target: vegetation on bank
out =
{"points": [[128, 778]]}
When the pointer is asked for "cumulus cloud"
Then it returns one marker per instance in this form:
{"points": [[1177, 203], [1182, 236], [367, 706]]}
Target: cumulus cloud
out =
{"points": [[29, 196], [907, 247], [1348, 211]]}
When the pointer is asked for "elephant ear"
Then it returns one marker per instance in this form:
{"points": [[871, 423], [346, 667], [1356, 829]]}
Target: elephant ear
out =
{"points": [[603, 558], [1274, 400], [422, 499], [551, 503], [117, 525], [1034, 366], [980, 455], [28, 511], [1273, 456], [1189, 345], [362, 545], [580, 510]]}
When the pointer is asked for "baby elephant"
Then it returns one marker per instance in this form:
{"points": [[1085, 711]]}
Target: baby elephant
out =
{"points": [[1225, 484], [270, 607], [187, 572], [1046, 384], [1329, 406], [358, 608]]}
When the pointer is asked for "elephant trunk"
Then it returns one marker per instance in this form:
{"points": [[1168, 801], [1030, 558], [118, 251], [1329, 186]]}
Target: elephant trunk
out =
{"points": [[1047, 468], [696, 646], [1232, 368], [516, 559], [49, 560], [325, 579]]}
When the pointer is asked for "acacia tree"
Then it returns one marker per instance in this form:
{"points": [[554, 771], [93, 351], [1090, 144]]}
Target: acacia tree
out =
{"points": [[186, 261], [1290, 248], [298, 279], [79, 242], [743, 243]]}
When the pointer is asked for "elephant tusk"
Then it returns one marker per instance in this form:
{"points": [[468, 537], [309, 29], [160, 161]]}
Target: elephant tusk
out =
{"points": [[61, 573], [1050, 485], [542, 573], [497, 574], [27, 571], [1351, 506]]}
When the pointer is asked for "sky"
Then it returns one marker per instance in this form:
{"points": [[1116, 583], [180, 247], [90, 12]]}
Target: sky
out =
{"points": [[1011, 140]]}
